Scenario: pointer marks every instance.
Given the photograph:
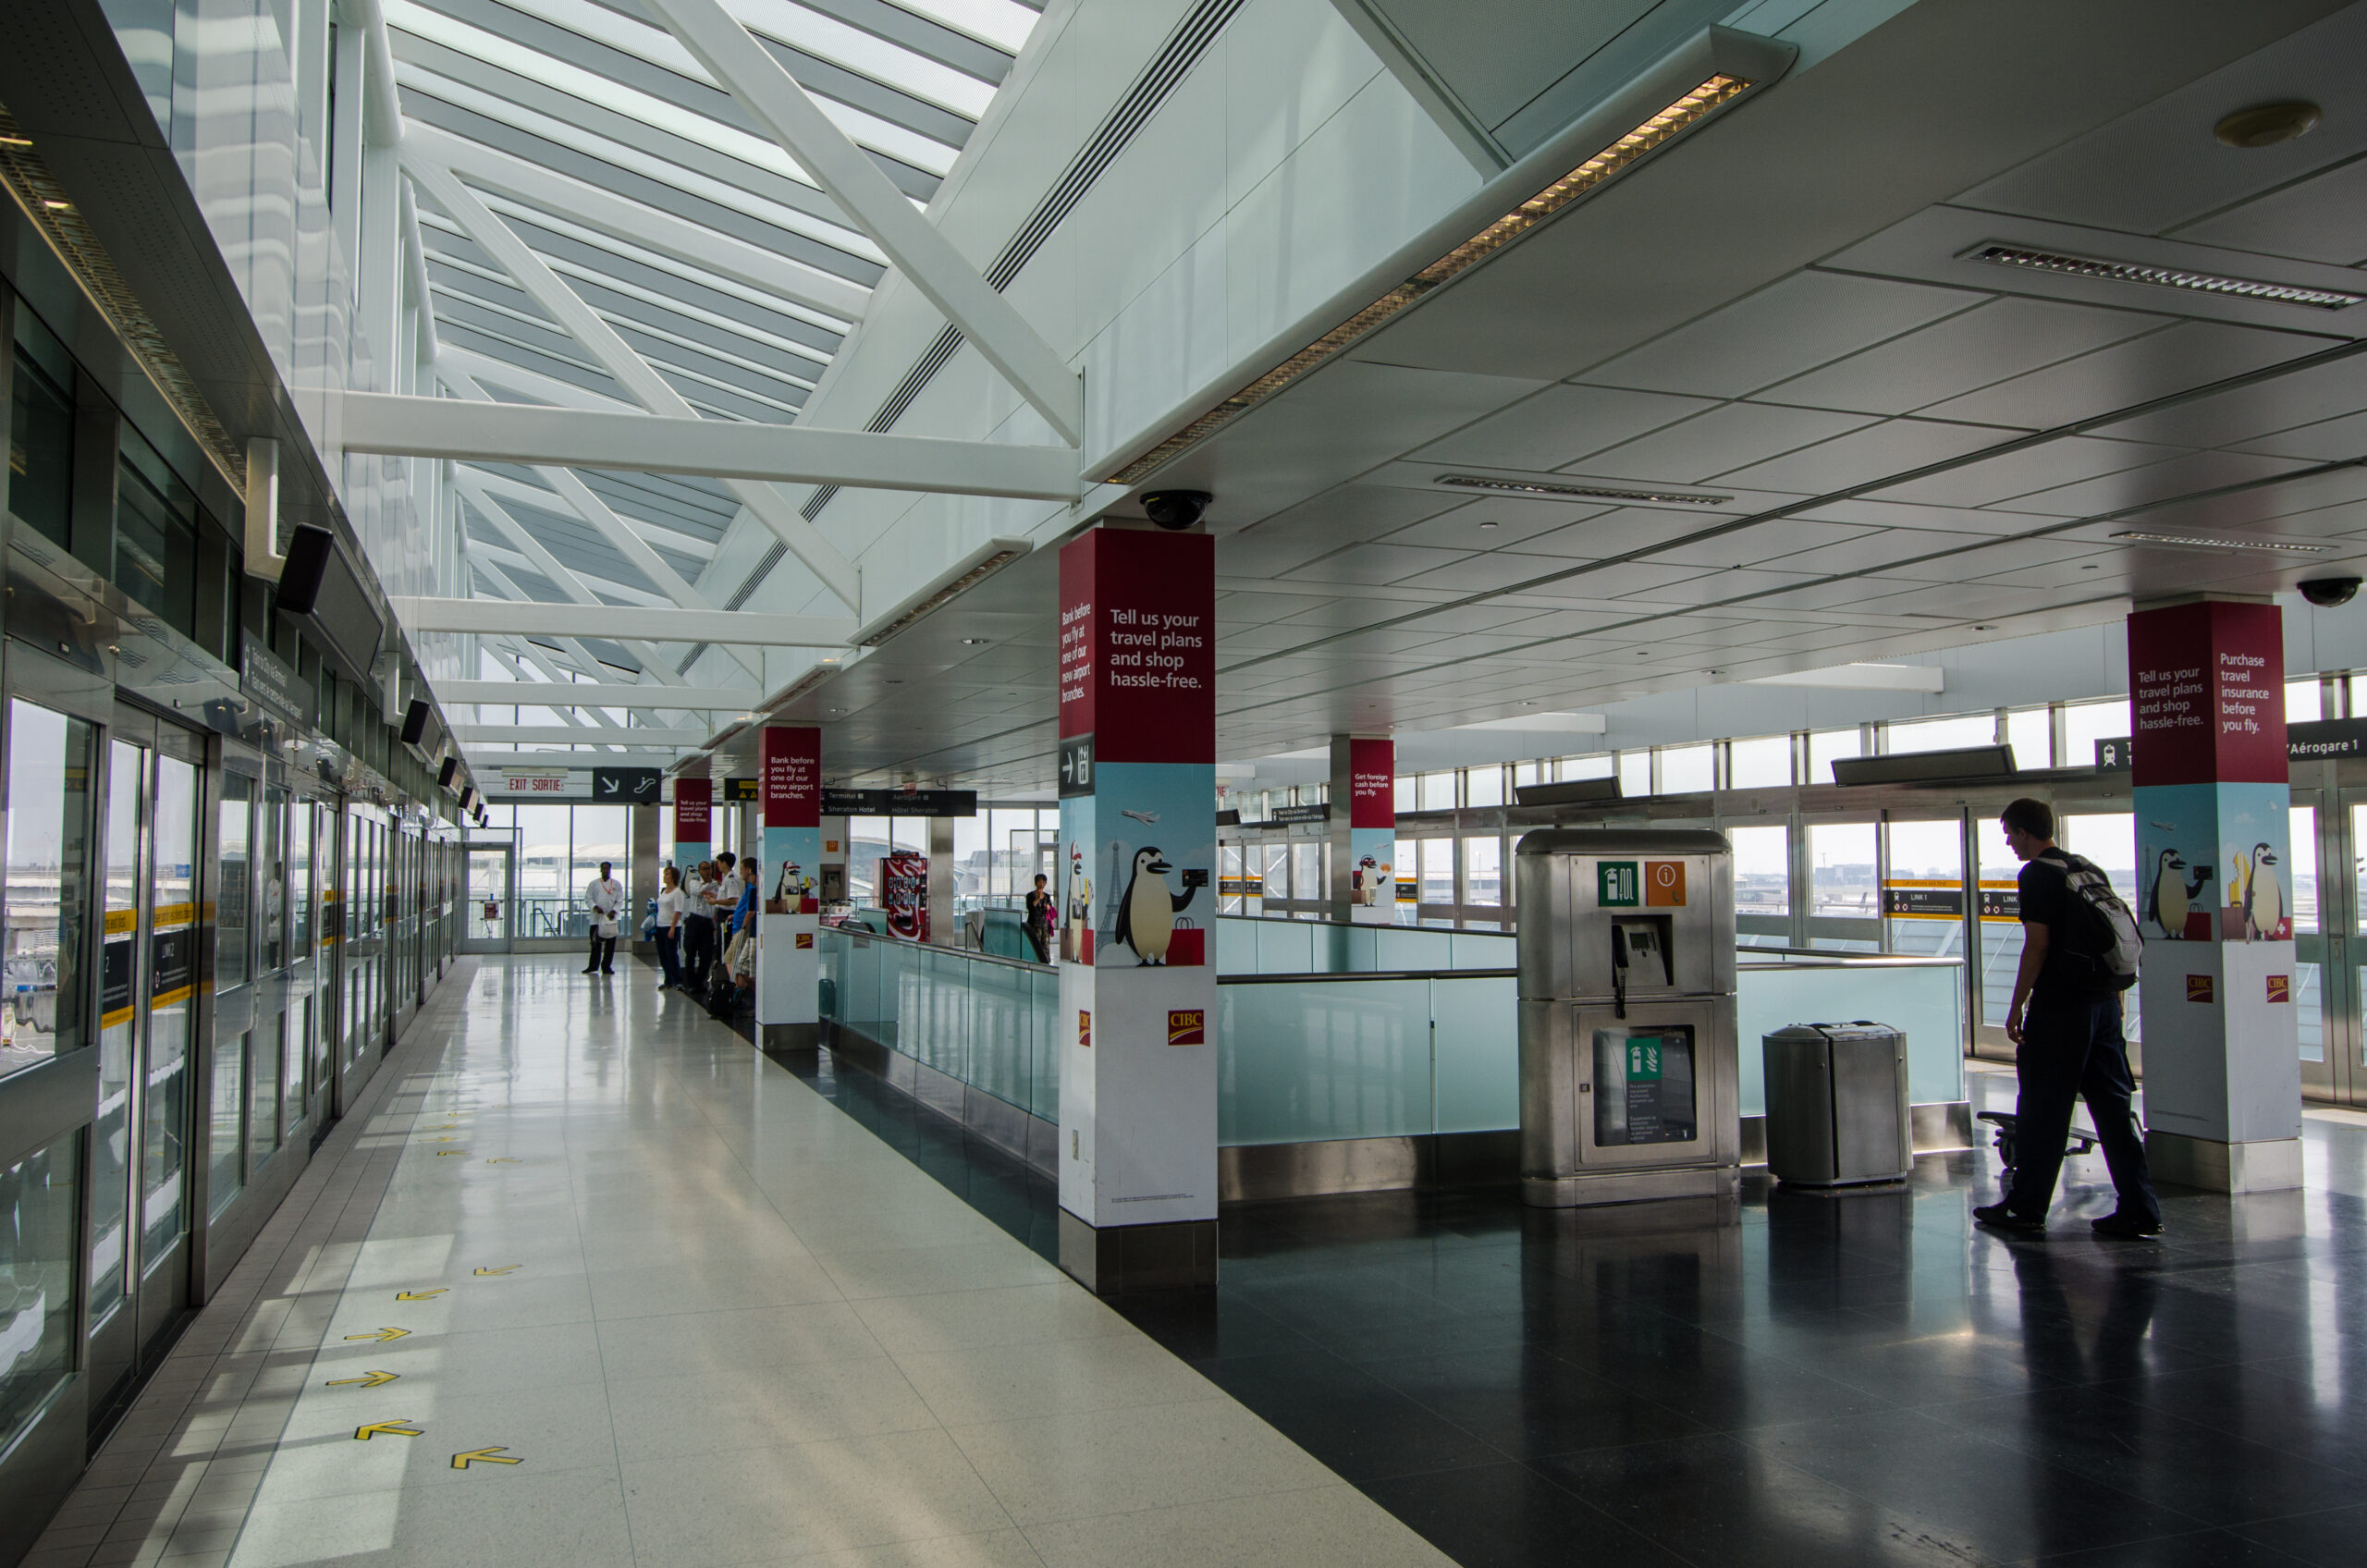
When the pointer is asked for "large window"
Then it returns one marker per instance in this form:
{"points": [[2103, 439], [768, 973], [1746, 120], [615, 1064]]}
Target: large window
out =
{"points": [[1764, 763], [38, 1225], [1942, 734], [1688, 770], [156, 535], [40, 430], [48, 834]]}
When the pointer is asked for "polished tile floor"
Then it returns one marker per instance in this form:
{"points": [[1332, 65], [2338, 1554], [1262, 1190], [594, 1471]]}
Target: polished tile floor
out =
{"points": [[633, 1293], [1850, 1379]]}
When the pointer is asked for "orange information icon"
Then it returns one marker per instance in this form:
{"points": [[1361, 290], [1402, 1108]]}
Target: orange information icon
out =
{"points": [[1663, 883], [2280, 988], [1187, 1026], [2198, 989]]}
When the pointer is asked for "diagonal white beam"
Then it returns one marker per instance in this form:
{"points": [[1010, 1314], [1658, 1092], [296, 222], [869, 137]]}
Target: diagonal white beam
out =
{"points": [[624, 622], [700, 248], [622, 536], [605, 695], [750, 73], [527, 433], [604, 591], [517, 648], [628, 369], [490, 371], [539, 556], [507, 489]]}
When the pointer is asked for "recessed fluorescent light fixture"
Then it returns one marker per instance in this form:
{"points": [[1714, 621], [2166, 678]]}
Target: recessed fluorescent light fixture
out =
{"points": [[1582, 491], [964, 575], [2204, 542], [1731, 64], [2163, 278]]}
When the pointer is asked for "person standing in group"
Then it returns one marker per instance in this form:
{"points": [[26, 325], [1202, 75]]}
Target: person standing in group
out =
{"points": [[669, 928], [698, 923], [743, 912], [1038, 921], [2065, 1022], [604, 895]]}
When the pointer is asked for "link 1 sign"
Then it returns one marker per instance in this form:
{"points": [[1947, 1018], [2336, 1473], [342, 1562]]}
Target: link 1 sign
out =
{"points": [[899, 803]]}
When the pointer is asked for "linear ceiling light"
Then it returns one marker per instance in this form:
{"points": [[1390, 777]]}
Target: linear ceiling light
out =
{"points": [[1679, 116], [45, 201], [2163, 278], [2204, 542], [936, 600], [1587, 492]]}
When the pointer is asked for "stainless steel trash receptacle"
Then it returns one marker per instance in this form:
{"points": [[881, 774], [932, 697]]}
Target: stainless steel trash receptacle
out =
{"points": [[1836, 1104]]}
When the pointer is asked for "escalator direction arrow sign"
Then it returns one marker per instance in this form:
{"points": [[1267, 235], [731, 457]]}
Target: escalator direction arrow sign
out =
{"points": [[397, 1428], [482, 1456]]}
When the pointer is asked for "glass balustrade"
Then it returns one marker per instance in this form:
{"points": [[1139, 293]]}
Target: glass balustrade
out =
{"points": [[1382, 1051]]}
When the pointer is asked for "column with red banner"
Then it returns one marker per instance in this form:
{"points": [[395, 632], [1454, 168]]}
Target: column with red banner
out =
{"points": [[787, 964], [1364, 830], [693, 799], [2215, 895], [1136, 910]]}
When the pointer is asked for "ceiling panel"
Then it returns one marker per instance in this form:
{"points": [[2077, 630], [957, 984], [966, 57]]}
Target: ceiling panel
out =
{"points": [[2003, 339], [1560, 425], [2038, 467], [2323, 218], [2304, 396], [1494, 521], [1484, 573], [1616, 533], [2332, 440], [2175, 360], [2156, 482], [1765, 542], [1892, 447], [1725, 438], [1806, 320], [1371, 564]]}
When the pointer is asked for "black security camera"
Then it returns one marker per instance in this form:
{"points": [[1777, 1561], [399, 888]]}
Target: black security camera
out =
{"points": [[1176, 509], [2328, 593]]}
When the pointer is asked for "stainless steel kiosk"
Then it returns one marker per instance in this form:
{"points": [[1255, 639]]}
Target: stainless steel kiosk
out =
{"points": [[1628, 1064]]}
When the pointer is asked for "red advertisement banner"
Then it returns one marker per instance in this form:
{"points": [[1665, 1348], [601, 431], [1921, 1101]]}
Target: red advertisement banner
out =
{"points": [[691, 800], [2207, 682], [792, 776], [1138, 644], [1372, 782]]}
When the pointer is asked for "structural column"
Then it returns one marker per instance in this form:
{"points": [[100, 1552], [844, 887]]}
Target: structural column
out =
{"points": [[1137, 983], [693, 798], [641, 856], [789, 969], [2222, 1077], [1363, 829], [942, 926]]}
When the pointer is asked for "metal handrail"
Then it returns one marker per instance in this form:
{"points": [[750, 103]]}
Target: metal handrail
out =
{"points": [[940, 947], [1371, 974]]}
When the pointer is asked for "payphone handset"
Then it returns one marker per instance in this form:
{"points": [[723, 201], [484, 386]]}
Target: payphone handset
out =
{"points": [[1640, 943]]}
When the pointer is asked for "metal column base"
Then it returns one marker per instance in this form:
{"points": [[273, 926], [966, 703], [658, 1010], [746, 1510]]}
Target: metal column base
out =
{"points": [[1117, 1259], [1629, 1186], [788, 1036], [2273, 1166]]}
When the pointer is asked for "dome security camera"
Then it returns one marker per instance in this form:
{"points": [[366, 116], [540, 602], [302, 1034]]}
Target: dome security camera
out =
{"points": [[2330, 592], [1175, 510]]}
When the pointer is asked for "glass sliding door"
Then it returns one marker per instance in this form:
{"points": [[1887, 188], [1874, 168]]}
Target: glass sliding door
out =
{"points": [[111, 1165], [172, 1014]]}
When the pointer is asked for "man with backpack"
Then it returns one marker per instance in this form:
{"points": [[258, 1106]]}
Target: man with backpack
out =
{"points": [[2079, 950]]}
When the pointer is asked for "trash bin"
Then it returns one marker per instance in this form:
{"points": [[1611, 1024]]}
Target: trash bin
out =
{"points": [[1836, 1104]]}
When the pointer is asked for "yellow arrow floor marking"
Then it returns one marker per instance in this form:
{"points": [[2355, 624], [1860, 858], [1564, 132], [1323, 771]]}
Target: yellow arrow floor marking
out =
{"points": [[504, 1159], [382, 1334], [397, 1428], [442, 1153], [482, 1456], [488, 1273], [419, 1295], [370, 1381]]}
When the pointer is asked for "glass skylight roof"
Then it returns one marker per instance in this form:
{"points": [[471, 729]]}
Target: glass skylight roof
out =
{"points": [[577, 94]]}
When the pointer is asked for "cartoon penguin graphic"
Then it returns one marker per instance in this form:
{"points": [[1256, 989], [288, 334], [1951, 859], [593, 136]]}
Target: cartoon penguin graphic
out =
{"points": [[2263, 898], [2167, 900], [1146, 910]]}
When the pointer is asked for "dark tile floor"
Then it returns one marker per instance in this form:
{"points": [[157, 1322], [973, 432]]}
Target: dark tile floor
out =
{"points": [[1803, 1378]]}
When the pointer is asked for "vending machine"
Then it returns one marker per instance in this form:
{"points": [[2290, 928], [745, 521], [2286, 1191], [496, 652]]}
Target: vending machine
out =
{"points": [[1629, 1071]]}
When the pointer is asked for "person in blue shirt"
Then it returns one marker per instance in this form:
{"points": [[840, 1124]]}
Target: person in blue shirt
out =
{"points": [[744, 912]]}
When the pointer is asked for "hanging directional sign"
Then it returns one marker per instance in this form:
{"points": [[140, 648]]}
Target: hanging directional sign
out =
{"points": [[625, 786], [899, 803]]}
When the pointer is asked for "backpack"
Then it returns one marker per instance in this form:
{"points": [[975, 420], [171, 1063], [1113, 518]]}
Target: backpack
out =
{"points": [[2102, 942]]}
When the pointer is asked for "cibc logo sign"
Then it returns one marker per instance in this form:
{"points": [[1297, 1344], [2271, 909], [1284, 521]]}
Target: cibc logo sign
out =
{"points": [[1187, 1026]]}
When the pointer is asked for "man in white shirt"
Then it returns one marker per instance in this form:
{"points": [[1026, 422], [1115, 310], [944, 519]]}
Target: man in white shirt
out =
{"points": [[606, 897]]}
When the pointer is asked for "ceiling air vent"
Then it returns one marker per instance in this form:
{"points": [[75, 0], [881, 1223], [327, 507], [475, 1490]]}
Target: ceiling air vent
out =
{"points": [[2162, 277], [1581, 492]]}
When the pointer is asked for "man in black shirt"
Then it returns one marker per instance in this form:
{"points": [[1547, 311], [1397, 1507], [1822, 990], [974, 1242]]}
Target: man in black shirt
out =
{"points": [[2066, 1029]]}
